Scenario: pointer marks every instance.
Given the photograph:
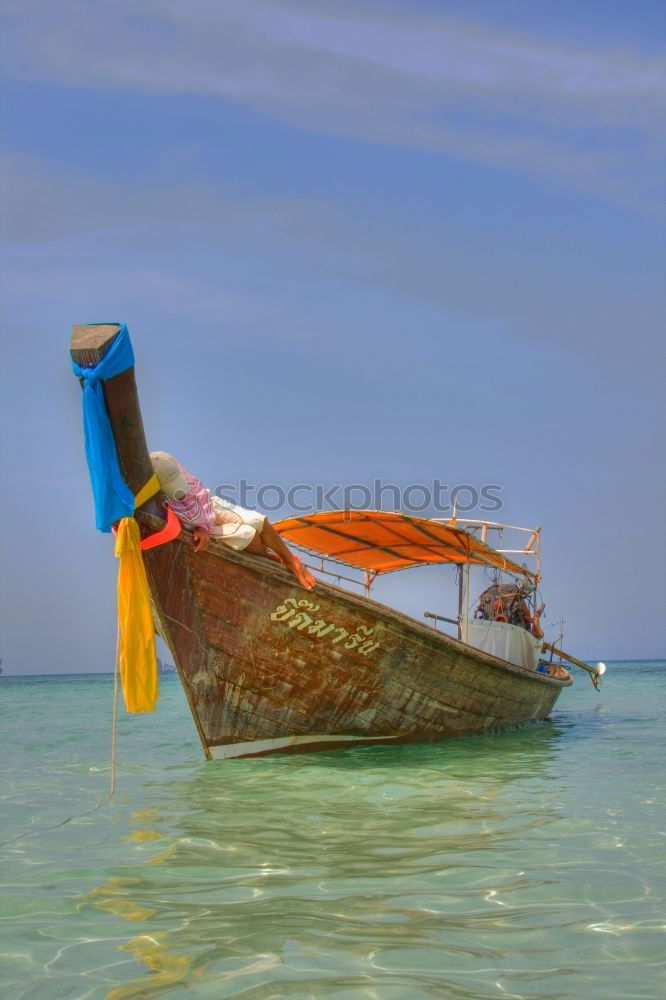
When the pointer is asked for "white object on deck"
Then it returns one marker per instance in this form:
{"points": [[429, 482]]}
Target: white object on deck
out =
{"points": [[507, 642]]}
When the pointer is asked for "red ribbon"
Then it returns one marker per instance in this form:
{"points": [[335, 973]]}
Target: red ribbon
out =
{"points": [[166, 534]]}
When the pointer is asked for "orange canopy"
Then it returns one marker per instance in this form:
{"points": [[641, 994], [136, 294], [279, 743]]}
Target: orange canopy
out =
{"points": [[382, 542]]}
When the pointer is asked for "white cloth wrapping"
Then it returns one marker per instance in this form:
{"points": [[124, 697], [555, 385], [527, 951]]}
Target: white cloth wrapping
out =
{"points": [[507, 642], [239, 525]]}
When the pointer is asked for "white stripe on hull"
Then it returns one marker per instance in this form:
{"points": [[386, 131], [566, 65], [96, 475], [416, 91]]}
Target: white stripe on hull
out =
{"points": [[256, 747]]}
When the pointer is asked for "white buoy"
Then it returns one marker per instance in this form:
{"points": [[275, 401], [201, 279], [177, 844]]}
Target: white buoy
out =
{"points": [[599, 668]]}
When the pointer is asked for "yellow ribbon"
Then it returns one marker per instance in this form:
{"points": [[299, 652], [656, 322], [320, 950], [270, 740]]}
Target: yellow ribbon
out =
{"points": [[147, 491], [138, 659]]}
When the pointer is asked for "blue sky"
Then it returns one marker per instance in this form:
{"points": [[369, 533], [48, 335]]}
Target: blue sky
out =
{"points": [[351, 241]]}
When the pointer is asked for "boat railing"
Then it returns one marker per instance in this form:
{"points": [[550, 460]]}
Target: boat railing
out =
{"points": [[321, 566], [481, 528]]}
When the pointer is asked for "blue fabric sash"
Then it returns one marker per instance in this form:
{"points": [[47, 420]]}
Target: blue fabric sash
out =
{"points": [[113, 497]]}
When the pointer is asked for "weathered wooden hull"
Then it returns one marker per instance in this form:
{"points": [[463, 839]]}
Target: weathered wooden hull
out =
{"points": [[268, 667]]}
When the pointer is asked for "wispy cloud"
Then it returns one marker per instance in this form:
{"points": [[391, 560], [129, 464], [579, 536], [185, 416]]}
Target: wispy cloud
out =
{"points": [[590, 117], [266, 265]]}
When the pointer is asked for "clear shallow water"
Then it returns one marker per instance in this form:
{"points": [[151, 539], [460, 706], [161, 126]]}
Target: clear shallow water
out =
{"points": [[527, 864]]}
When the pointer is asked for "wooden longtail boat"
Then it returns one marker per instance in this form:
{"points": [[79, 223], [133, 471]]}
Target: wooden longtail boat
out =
{"points": [[268, 667]]}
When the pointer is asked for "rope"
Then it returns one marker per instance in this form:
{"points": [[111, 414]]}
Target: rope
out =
{"points": [[114, 723], [144, 494], [56, 826]]}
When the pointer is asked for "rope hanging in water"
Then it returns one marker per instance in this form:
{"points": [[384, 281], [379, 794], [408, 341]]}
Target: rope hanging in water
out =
{"points": [[114, 722]]}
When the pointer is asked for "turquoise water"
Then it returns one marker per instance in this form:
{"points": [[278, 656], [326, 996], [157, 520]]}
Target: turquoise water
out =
{"points": [[527, 864]]}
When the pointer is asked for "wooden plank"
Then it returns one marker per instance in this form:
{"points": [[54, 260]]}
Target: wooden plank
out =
{"points": [[90, 343]]}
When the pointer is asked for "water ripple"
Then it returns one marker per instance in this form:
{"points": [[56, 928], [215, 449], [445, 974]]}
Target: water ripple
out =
{"points": [[527, 865]]}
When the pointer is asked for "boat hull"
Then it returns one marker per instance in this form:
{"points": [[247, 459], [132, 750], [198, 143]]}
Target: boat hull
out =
{"points": [[271, 668]]}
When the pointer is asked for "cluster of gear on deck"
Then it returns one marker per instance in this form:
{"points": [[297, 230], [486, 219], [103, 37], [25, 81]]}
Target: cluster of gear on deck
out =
{"points": [[507, 602]]}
